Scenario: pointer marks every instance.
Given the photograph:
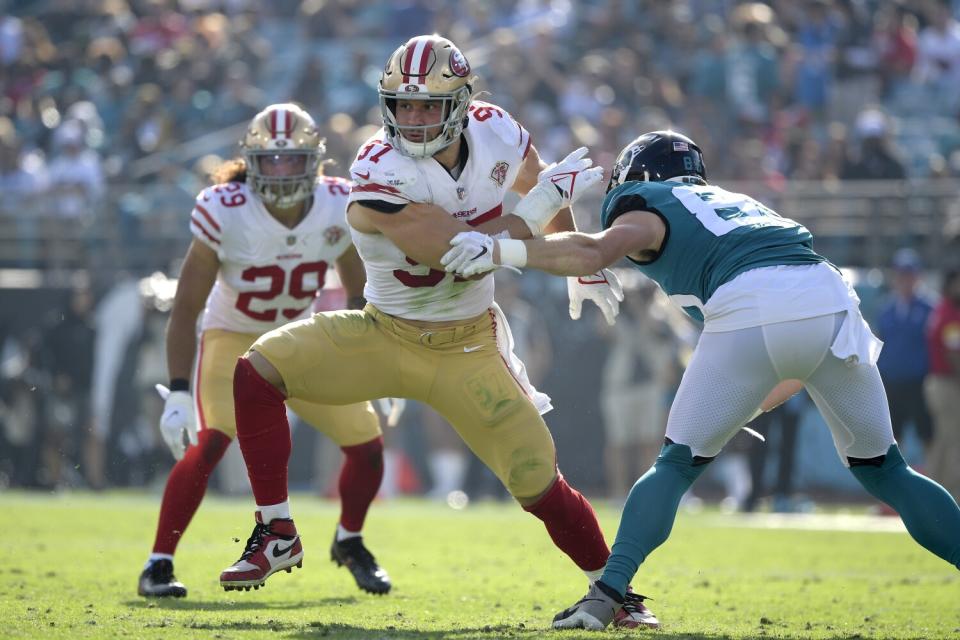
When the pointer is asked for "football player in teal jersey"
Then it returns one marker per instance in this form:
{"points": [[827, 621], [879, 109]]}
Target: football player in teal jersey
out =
{"points": [[775, 314]]}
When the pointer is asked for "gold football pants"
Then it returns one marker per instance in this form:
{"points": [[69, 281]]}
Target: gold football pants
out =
{"points": [[344, 357], [345, 425]]}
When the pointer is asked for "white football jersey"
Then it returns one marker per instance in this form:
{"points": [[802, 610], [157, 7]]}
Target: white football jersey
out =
{"points": [[396, 284], [269, 274]]}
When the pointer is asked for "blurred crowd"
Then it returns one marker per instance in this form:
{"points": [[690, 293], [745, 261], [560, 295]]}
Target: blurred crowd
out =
{"points": [[113, 113], [119, 91]]}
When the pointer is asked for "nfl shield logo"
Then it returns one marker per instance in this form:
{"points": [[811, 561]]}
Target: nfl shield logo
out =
{"points": [[499, 173], [291, 240], [461, 192]]}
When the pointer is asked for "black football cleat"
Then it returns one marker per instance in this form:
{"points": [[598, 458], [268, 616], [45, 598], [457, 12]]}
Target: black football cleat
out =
{"points": [[352, 554], [158, 581]]}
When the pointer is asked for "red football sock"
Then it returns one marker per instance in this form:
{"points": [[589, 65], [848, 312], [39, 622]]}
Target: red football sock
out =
{"points": [[572, 524], [360, 479], [186, 486], [263, 433]]}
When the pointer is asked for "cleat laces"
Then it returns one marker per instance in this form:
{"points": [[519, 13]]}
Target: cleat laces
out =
{"points": [[359, 553], [255, 541]]}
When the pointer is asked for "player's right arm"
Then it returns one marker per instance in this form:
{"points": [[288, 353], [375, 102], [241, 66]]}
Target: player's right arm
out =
{"points": [[197, 277]]}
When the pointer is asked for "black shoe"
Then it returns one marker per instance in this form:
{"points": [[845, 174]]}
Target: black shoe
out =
{"points": [[158, 581], [351, 553]]}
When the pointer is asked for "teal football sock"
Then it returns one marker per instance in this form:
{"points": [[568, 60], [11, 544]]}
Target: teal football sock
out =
{"points": [[650, 511], [929, 512]]}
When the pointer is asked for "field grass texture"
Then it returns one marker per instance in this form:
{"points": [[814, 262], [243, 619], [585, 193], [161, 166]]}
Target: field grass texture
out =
{"points": [[70, 568]]}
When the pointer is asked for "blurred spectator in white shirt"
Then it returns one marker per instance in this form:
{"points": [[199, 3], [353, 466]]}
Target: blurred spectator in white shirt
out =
{"points": [[938, 54], [76, 174]]}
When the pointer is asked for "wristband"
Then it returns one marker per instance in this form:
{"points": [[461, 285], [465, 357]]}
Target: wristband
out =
{"points": [[179, 384], [513, 253], [539, 207]]}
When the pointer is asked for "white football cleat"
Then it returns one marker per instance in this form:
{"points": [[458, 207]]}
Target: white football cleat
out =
{"points": [[271, 547], [634, 613]]}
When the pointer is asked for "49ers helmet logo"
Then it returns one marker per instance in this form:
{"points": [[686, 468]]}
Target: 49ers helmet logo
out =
{"points": [[458, 64]]}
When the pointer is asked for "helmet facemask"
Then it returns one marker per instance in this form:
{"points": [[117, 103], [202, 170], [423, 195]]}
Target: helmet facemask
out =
{"points": [[282, 190], [277, 134], [453, 116]]}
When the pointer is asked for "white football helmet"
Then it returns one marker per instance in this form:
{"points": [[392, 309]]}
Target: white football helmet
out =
{"points": [[282, 129], [426, 68]]}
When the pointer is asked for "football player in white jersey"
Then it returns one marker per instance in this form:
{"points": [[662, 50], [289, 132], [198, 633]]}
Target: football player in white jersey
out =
{"points": [[264, 237], [441, 164]]}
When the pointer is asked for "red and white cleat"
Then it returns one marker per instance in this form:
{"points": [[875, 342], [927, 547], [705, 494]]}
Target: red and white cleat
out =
{"points": [[271, 547], [634, 613]]}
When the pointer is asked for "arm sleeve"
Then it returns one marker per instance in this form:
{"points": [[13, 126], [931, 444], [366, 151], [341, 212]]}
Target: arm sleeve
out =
{"points": [[383, 206], [622, 205]]}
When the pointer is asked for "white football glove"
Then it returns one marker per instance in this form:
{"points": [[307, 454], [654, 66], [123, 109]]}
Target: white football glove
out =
{"points": [[392, 408], [178, 416], [602, 287], [472, 253], [558, 186]]}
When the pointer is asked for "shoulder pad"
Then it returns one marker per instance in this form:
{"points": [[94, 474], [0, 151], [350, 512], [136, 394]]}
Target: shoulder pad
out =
{"points": [[380, 172], [488, 118], [209, 211], [332, 186]]}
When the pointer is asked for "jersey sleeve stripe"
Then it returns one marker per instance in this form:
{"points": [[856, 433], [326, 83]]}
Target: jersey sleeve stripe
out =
{"points": [[484, 217], [196, 222], [376, 188], [206, 214], [526, 149]]}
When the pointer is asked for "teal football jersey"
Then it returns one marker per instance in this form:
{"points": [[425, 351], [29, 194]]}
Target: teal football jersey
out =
{"points": [[713, 235]]}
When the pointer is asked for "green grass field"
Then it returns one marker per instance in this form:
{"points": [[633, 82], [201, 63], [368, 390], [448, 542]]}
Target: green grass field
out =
{"points": [[490, 571]]}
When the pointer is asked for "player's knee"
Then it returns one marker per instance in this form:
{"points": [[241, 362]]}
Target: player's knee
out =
{"points": [[369, 453], [871, 472], [266, 370], [892, 458], [681, 457], [211, 445], [254, 378], [531, 474]]}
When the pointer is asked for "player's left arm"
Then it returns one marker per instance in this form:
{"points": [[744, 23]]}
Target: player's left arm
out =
{"points": [[422, 231], [583, 254], [353, 277]]}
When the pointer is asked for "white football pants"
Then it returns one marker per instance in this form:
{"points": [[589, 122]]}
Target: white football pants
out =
{"points": [[731, 373]]}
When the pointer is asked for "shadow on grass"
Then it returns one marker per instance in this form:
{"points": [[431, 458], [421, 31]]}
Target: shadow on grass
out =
{"points": [[518, 631], [182, 604]]}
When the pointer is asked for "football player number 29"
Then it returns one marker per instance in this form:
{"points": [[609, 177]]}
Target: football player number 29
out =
{"points": [[298, 286]]}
